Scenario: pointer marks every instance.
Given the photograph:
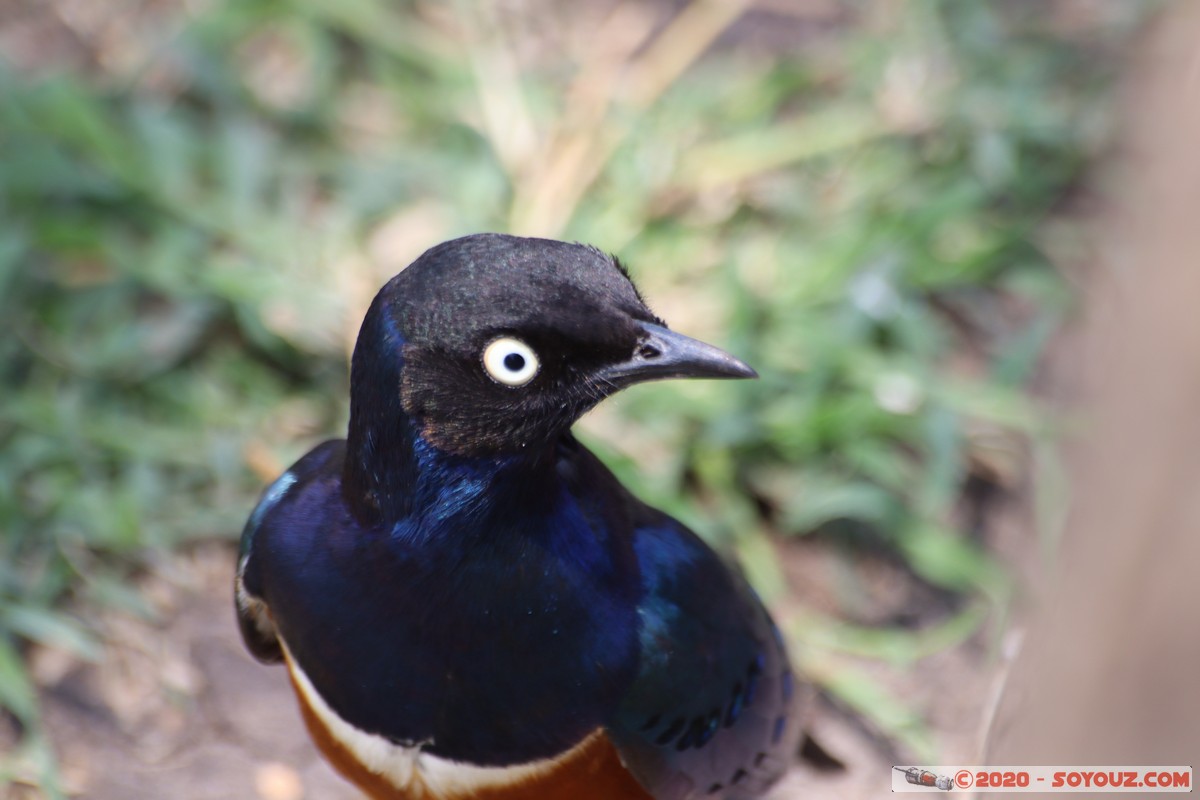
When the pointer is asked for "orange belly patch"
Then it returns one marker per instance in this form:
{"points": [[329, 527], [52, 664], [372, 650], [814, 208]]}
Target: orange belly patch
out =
{"points": [[591, 770]]}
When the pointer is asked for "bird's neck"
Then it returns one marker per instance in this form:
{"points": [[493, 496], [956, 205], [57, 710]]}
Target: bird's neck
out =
{"points": [[391, 471], [392, 474]]}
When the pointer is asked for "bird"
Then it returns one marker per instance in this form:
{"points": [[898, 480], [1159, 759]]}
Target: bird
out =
{"points": [[468, 602]]}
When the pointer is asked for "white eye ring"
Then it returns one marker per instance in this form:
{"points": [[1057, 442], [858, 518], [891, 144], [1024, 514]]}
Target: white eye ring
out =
{"points": [[510, 361]]}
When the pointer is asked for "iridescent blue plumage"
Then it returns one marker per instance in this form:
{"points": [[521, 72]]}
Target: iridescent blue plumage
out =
{"points": [[713, 711], [503, 596], [461, 574]]}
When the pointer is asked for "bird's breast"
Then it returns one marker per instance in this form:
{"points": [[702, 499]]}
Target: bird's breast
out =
{"points": [[491, 645], [589, 770]]}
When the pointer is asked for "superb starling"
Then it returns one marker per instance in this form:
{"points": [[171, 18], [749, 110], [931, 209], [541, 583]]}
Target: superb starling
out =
{"points": [[468, 602]]}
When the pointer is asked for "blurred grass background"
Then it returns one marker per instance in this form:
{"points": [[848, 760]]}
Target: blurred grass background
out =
{"points": [[864, 200]]}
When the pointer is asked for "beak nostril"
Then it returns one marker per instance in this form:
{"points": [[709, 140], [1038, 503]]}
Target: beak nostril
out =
{"points": [[661, 353]]}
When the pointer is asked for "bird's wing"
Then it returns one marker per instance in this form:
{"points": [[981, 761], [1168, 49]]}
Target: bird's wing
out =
{"points": [[254, 618], [714, 710]]}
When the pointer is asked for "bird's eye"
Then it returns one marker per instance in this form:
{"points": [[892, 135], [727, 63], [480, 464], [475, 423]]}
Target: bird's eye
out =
{"points": [[510, 361]]}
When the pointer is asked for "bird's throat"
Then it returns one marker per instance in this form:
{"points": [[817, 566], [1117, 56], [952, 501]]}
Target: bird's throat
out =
{"points": [[394, 473]]}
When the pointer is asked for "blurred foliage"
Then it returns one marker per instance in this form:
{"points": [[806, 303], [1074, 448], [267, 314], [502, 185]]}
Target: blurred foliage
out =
{"points": [[191, 228]]}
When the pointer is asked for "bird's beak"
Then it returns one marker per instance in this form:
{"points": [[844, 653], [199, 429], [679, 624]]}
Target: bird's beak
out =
{"points": [[663, 353]]}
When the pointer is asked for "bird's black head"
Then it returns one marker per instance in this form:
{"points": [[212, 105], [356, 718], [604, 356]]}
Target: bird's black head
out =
{"points": [[495, 344]]}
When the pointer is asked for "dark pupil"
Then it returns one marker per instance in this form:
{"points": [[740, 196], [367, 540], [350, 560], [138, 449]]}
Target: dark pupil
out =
{"points": [[514, 362]]}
